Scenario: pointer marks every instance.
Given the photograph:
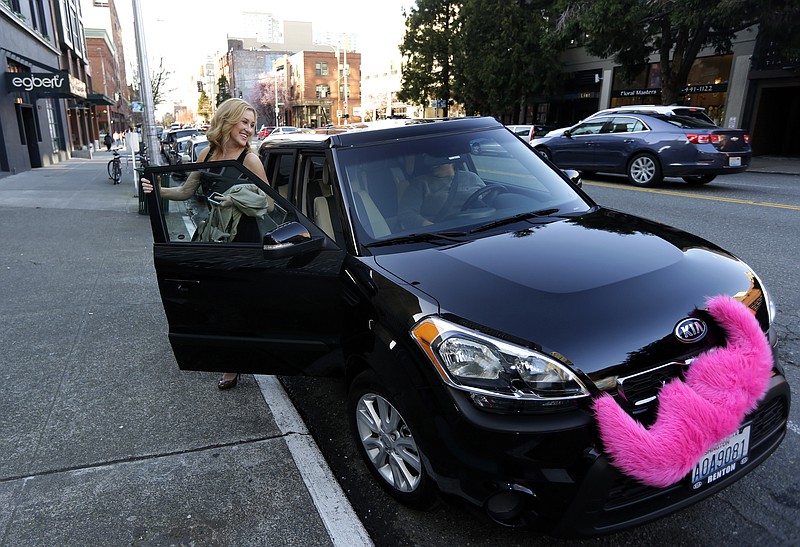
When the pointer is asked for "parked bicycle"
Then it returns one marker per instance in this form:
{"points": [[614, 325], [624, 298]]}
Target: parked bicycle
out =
{"points": [[115, 168]]}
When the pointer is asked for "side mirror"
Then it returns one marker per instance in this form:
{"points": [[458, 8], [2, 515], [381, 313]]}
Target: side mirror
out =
{"points": [[567, 133], [574, 176], [289, 239]]}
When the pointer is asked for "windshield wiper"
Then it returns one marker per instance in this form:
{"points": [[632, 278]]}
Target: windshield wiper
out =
{"points": [[414, 238], [514, 218]]}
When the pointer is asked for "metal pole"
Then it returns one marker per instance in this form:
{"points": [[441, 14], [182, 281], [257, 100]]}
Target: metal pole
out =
{"points": [[145, 91], [346, 45]]}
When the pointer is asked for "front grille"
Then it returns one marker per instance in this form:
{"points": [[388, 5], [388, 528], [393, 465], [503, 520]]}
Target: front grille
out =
{"points": [[639, 391], [765, 422]]}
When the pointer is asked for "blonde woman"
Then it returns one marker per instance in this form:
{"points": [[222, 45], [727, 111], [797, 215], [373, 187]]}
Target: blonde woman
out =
{"points": [[229, 139]]}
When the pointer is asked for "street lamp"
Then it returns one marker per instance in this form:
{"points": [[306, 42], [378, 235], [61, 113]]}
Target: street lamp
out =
{"points": [[338, 89], [280, 68]]}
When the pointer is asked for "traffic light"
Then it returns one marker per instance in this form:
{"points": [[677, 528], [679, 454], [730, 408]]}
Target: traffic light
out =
{"points": [[199, 87]]}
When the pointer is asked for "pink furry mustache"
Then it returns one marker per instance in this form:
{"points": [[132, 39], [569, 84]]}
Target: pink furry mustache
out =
{"points": [[722, 385]]}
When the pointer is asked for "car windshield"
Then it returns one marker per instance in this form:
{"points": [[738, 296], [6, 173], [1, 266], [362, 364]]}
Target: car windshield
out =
{"points": [[449, 184]]}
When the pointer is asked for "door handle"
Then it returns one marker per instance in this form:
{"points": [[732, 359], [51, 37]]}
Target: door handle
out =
{"points": [[184, 285]]}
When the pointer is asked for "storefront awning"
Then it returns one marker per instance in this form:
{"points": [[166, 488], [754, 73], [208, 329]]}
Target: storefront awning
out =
{"points": [[100, 99]]}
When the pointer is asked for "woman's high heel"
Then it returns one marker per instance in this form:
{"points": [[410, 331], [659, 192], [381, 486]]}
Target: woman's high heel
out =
{"points": [[228, 384]]}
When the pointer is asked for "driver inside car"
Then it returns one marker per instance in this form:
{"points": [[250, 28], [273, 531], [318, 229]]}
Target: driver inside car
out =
{"points": [[438, 193]]}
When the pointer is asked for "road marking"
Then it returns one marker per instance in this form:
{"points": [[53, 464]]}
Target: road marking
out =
{"points": [[341, 521], [695, 196]]}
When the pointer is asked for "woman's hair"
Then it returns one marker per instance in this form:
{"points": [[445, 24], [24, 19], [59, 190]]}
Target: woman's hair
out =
{"points": [[229, 113]]}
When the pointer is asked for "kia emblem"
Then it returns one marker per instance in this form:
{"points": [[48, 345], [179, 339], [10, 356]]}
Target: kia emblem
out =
{"points": [[690, 330]]}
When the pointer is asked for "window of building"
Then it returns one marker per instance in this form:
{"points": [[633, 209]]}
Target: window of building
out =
{"points": [[323, 91], [322, 69], [52, 123]]}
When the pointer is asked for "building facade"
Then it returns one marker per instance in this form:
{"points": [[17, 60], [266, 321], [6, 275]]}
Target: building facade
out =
{"points": [[109, 86], [324, 87], [45, 113], [742, 88]]}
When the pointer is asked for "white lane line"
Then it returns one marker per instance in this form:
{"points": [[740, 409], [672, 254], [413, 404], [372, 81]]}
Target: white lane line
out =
{"points": [[344, 527], [793, 427]]}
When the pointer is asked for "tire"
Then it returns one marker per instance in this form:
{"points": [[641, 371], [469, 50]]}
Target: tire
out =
{"points": [[116, 172], [697, 180], [545, 153], [110, 169], [387, 445], [644, 170]]}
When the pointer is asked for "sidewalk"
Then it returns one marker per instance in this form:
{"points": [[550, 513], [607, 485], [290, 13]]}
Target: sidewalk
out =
{"points": [[104, 440], [775, 165]]}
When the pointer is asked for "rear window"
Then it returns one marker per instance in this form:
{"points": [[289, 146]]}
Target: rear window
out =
{"points": [[693, 113], [685, 122]]}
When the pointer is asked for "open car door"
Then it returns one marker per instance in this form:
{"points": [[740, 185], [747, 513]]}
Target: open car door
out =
{"points": [[267, 301]]}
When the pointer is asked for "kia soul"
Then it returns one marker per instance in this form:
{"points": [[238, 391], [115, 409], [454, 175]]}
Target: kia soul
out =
{"points": [[504, 338]]}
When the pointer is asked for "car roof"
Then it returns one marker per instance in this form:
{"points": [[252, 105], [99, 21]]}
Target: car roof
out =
{"points": [[366, 134], [410, 130]]}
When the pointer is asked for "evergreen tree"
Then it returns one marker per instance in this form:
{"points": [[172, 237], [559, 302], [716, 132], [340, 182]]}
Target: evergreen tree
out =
{"points": [[428, 46], [224, 93], [204, 106]]}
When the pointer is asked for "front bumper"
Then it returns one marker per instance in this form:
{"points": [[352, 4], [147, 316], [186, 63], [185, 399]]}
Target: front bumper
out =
{"points": [[549, 472]]}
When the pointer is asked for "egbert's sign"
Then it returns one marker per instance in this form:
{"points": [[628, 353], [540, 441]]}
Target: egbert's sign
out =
{"points": [[54, 84]]}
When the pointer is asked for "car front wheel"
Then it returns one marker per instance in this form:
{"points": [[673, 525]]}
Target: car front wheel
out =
{"points": [[387, 444], [545, 153], [644, 170], [699, 179]]}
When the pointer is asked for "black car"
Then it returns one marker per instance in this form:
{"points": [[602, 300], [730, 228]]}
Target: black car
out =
{"points": [[170, 138], [476, 345], [648, 147]]}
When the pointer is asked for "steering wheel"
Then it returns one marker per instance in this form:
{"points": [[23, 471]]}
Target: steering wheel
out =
{"points": [[481, 195]]}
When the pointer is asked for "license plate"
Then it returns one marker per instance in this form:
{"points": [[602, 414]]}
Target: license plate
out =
{"points": [[726, 457], [735, 161]]}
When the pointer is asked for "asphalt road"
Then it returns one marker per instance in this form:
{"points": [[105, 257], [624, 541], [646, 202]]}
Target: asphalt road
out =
{"points": [[755, 216]]}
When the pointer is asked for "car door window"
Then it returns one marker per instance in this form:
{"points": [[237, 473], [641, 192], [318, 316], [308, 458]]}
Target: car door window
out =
{"points": [[279, 172], [624, 125], [256, 208], [589, 128]]}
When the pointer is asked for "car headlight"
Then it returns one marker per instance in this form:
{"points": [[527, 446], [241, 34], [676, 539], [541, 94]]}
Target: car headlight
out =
{"points": [[492, 369]]}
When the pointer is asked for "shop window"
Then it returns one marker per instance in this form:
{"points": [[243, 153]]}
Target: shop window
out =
{"points": [[711, 70]]}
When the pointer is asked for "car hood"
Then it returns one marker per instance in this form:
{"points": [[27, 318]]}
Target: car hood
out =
{"points": [[602, 290]]}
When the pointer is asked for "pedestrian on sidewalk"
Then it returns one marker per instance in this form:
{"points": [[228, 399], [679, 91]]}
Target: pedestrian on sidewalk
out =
{"points": [[229, 136], [108, 141]]}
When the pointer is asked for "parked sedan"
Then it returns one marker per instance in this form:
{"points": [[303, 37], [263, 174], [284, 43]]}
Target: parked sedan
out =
{"points": [[503, 350], [648, 147]]}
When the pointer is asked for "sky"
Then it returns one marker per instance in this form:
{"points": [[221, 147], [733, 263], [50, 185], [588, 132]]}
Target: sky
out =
{"points": [[184, 33]]}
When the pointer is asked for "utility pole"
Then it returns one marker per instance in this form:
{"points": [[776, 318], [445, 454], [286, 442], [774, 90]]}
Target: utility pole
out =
{"points": [[346, 112], [145, 91]]}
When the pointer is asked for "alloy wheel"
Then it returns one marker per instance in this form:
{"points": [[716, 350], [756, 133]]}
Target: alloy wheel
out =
{"points": [[644, 171], [388, 443]]}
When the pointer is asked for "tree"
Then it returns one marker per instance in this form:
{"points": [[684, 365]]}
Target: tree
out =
{"points": [[204, 106], [262, 97], [158, 81], [504, 57], [224, 93], [428, 46], [631, 31]]}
